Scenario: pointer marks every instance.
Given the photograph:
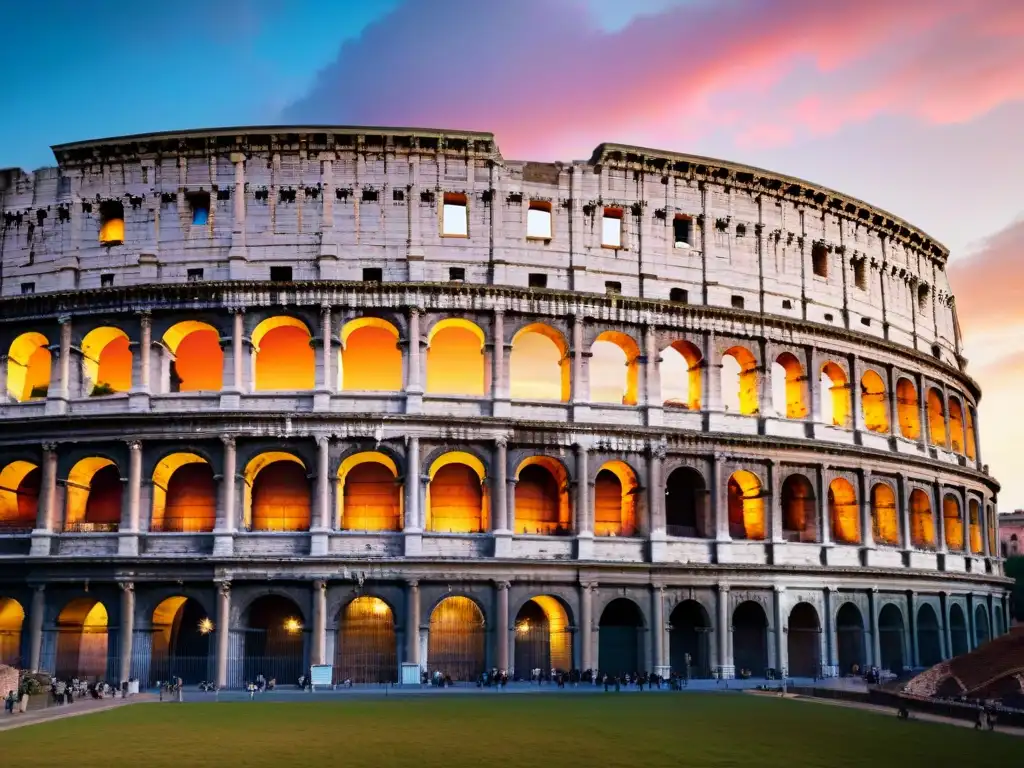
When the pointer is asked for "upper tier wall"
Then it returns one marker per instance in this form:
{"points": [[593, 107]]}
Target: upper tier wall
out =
{"points": [[335, 203]]}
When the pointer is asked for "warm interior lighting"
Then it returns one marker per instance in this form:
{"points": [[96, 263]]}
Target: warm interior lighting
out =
{"points": [[292, 626], [205, 626]]}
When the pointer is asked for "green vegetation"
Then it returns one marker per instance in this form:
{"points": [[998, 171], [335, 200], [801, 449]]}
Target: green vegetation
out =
{"points": [[494, 729]]}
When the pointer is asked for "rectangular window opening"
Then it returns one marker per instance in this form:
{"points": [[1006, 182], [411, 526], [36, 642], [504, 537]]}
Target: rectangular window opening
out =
{"points": [[828, 317], [787, 304], [819, 260], [398, 195], [195, 275], [611, 228], [199, 202], [106, 281], [111, 222], [373, 275], [682, 231], [538, 280], [679, 296], [865, 321], [737, 302], [860, 274], [613, 287], [456, 274], [538, 220], [454, 215], [281, 274], [369, 196], [28, 287]]}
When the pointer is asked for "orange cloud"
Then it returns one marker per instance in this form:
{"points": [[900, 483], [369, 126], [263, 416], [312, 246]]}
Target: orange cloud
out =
{"points": [[989, 283]]}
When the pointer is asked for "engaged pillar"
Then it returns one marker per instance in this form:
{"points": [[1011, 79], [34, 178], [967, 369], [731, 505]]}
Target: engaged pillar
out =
{"points": [[223, 631]]}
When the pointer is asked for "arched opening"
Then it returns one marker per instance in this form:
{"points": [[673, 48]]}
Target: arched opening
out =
{"points": [[750, 639], [277, 493], [274, 640], [799, 510], [106, 362], [367, 649], [371, 360], [20, 482], [908, 409], [686, 504], [891, 638], [614, 369], [689, 640], [455, 358], [885, 521], [929, 641], [739, 382], [198, 360], [369, 494], [970, 437], [618, 644], [184, 495], [835, 396], [958, 630], [1000, 624], [284, 359], [844, 512], [539, 364], [803, 641], [543, 638], [456, 642], [541, 497], [873, 402], [28, 367], [615, 491], [681, 365], [12, 617], [981, 629], [456, 495], [746, 506], [977, 542], [849, 639], [181, 642], [952, 523], [789, 387], [82, 641], [956, 427], [922, 524], [936, 419], [94, 493]]}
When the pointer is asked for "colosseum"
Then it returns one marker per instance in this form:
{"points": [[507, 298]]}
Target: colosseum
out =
{"points": [[383, 399]]}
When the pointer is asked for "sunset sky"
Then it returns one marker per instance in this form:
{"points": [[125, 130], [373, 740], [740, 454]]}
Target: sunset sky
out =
{"points": [[916, 106]]}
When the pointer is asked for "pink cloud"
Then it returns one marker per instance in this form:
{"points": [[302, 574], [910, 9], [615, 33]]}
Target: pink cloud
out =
{"points": [[989, 283], [547, 80]]}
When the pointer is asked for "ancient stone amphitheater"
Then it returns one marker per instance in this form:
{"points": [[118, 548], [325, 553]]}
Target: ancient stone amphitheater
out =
{"points": [[381, 398]]}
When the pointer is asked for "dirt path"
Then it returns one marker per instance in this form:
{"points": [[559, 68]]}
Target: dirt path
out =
{"points": [[83, 707]]}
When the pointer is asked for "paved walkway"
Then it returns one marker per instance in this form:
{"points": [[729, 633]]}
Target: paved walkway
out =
{"points": [[59, 712]]}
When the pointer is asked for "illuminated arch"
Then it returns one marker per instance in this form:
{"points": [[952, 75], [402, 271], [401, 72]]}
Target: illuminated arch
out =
{"points": [[952, 523], [184, 494], [956, 426], [681, 365], [936, 418], [455, 359], [94, 494], [909, 409], [28, 367], [844, 512], [615, 489], [277, 493], [922, 523], [541, 496], [106, 361], [835, 396], [369, 494], [181, 640], [457, 499], [885, 521], [283, 358], [971, 438], [12, 617], [746, 506], [198, 357], [367, 649], [539, 364], [82, 640], [614, 369], [873, 402], [543, 636], [455, 645], [799, 509], [739, 381], [789, 387], [20, 482], [977, 543], [371, 360]]}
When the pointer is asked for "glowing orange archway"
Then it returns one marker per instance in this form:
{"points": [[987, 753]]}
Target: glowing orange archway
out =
{"points": [[184, 494], [956, 427], [936, 418], [457, 498], [539, 364], [277, 494], [908, 409], [615, 489], [739, 381], [82, 640], [977, 542], [371, 360], [884, 515], [681, 365], [794, 392], [614, 369], [922, 523], [28, 367], [283, 357], [94, 494], [12, 617], [541, 496], [198, 357], [874, 403], [19, 494], [746, 506], [455, 358], [952, 523], [106, 361], [835, 396], [559, 633], [844, 512], [369, 494]]}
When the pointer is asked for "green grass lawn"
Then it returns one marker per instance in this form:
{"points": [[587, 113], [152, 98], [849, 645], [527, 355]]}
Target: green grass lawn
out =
{"points": [[598, 731]]}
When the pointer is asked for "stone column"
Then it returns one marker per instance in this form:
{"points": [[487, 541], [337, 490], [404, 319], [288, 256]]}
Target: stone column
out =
{"points": [[781, 647], [947, 635], [237, 253], [318, 653], [499, 492], [138, 399], [128, 541], [876, 639], [831, 659], [580, 384], [223, 631], [824, 518], [711, 373], [326, 367], [127, 629], [500, 394], [939, 514], [413, 511], [659, 664], [903, 502], [414, 381], [867, 531], [324, 518], [5, 361], [584, 525], [922, 404], [44, 529], [36, 614], [231, 376], [586, 624], [227, 514], [894, 405], [720, 509], [57, 396], [775, 483], [501, 626], [412, 622], [654, 399], [725, 665]]}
